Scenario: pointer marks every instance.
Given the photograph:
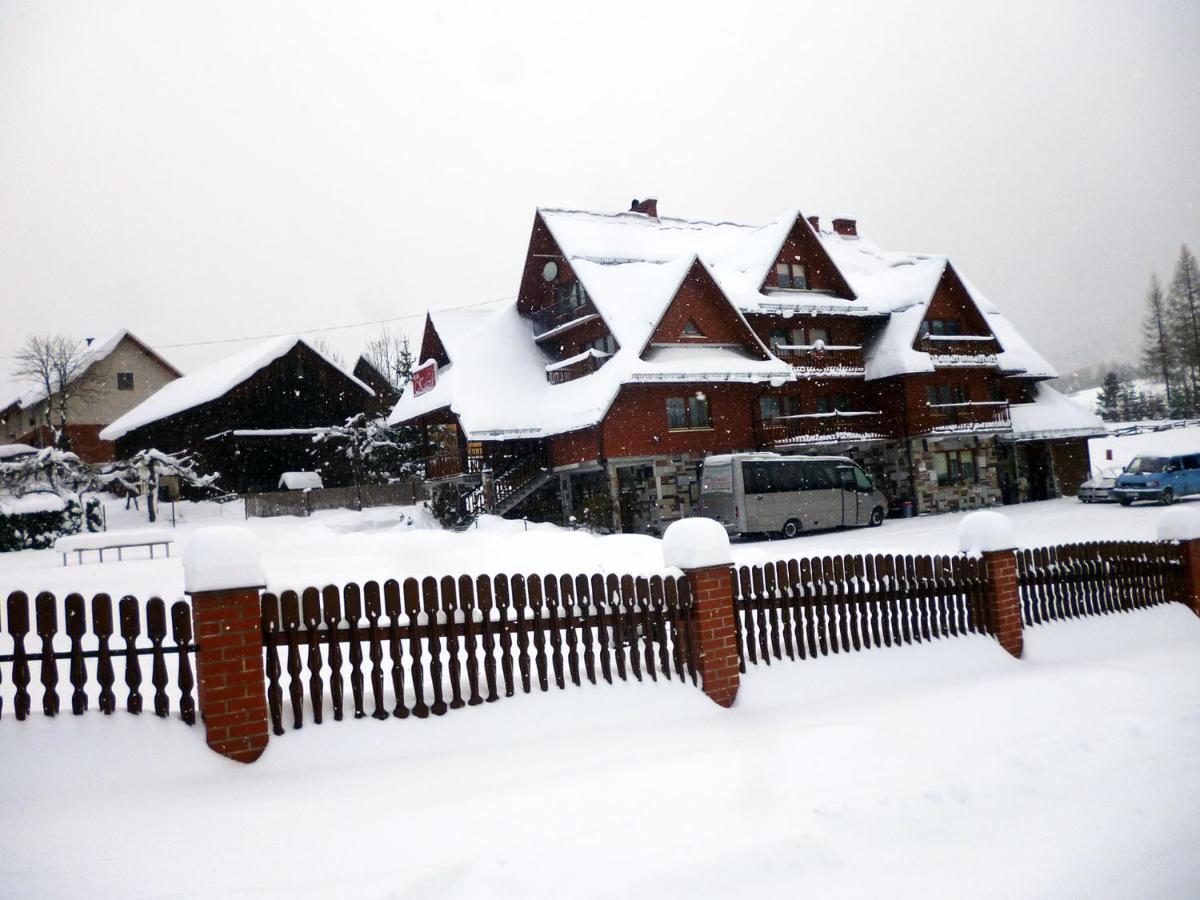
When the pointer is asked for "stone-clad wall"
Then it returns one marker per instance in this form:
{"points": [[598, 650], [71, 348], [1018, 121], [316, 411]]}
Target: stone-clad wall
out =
{"points": [[932, 497]]}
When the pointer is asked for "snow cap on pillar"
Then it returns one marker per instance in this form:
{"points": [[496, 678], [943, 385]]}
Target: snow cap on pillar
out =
{"points": [[1179, 524], [696, 544], [985, 531], [222, 558]]}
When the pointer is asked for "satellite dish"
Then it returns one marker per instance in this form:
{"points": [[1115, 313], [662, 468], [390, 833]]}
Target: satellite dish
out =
{"points": [[550, 271]]}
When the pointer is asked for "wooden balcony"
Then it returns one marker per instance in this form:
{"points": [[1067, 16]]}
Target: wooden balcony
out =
{"points": [[971, 417], [831, 361], [576, 367], [960, 350], [821, 428], [453, 464], [575, 308]]}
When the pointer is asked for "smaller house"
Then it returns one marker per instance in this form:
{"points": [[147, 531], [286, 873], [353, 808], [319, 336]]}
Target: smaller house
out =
{"points": [[252, 416], [116, 374], [386, 393]]}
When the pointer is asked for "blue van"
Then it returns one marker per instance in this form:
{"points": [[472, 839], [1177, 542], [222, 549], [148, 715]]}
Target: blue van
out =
{"points": [[1160, 478]]}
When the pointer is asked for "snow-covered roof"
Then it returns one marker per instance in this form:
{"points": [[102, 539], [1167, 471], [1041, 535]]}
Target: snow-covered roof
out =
{"points": [[209, 383], [1051, 415], [496, 381], [631, 266], [10, 451], [92, 354], [300, 481]]}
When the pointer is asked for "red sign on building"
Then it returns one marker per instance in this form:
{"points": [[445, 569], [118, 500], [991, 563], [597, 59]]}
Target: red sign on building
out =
{"points": [[424, 378]]}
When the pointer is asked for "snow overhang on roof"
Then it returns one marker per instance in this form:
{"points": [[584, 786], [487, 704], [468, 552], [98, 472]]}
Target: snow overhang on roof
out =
{"points": [[1051, 415], [211, 382]]}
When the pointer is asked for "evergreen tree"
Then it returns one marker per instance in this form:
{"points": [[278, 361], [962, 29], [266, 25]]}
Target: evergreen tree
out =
{"points": [[1110, 400], [1158, 355], [1183, 316]]}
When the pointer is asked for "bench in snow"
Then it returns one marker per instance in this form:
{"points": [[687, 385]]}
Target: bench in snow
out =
{"points": [[113, 540]]}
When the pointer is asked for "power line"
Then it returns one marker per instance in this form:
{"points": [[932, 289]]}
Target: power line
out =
{"points": [[262, 337]]}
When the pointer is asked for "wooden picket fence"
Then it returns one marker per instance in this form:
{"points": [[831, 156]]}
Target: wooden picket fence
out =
{"points": [[1099, 578], [808, 608], [91, 660], [469, 639]]}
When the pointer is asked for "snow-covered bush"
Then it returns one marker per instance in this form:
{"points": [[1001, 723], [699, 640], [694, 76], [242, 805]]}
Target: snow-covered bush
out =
{"points": [[36, 521]]}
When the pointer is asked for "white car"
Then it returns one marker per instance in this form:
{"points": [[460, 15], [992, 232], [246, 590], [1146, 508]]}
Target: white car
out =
{"points": [[1098, 488]]}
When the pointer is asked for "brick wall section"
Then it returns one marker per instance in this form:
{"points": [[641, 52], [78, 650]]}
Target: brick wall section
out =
{"points": [[229, 672], [715, 637], [1004, 600], [1191, 576]]}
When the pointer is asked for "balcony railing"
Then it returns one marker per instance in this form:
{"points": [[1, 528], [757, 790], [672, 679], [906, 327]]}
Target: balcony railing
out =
{"points": [[450, 463], [968, 417], [831, 360], [821, 428], [574, 306], [960, 349], [576, 367]]}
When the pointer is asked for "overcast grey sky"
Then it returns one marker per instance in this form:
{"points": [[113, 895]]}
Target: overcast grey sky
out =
{"points": [[204, 171]]}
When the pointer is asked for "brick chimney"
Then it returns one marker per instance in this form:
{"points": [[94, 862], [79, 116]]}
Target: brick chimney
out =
{"points": [[815, 222], [846, 227], [645, 207]]}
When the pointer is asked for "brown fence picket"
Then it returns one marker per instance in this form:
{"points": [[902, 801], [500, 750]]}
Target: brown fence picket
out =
{"points": [[45, 608], [181, 635], [131, 629], [102, 625], [450, 608], [583, 602], [76, 628], [310, 602], [289, 603], [566, 596], [431, 604], [331, 615], [466, 600], [412, 608], [600, 604], [537, 610], [393, 607], [156, 630], [503, 603], [18, 628], [271, 627], [645, 621], [373, 604], [352, 609], [483, 594], [520, 602]]}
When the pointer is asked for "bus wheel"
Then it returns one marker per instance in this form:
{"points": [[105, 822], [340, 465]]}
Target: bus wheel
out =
{"points": [[790, 529], [876, 517]]}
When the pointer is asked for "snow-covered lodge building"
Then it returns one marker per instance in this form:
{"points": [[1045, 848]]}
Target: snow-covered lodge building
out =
{"points": [[638, 344], [251, 416], [115, 374]]}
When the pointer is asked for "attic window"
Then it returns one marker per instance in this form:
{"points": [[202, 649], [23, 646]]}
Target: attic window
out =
{"points": [[791, 276], [945, 327], [124, 381], [605, 344], [692, 330]]}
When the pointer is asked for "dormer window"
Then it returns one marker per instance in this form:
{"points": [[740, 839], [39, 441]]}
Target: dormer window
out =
{"points": [[571, 295], [606, 344], [941, 327], [691, 330], [791, 276]]}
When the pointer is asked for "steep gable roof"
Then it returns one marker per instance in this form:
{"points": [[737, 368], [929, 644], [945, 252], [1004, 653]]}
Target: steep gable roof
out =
{"points": [[699, 297], [213, 382]]}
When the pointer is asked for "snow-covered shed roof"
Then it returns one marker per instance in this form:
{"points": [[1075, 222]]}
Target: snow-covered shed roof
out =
{"points": [[496, 381], [1051, 415], [92, 354], [12, 451], [209, 383]]}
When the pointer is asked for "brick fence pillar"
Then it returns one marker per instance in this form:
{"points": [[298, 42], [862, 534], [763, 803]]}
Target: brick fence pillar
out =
{"points": [[1182, 525], [1191, 574], [223, 577], [1004, 600], [992, 534], [701, 548]]}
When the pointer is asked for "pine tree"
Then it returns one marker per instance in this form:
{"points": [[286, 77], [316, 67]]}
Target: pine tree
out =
{"points": [[1157, 350], [1183, 316], [1110, 399]]}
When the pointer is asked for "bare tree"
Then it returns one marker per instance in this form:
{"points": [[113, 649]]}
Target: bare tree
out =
{"points": [[392, 355], [53, 364], [322, 346]]}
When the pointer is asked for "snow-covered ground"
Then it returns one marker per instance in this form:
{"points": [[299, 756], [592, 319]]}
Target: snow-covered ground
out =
{"points": [[942, 770]]}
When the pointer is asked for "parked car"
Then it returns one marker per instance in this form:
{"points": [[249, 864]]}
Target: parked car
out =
{"points": [[1163, 479], [1099, 488], [765, 493]]}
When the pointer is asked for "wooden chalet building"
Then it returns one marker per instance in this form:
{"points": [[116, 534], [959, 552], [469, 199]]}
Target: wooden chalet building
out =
{"points": [[638, 344], [252, 416], [115, 375]]}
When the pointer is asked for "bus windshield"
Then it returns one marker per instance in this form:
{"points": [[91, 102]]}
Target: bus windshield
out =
{"points": [[1143, 465]]}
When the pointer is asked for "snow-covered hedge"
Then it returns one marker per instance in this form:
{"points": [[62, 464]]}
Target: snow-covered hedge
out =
{"points": [[36, 521]]}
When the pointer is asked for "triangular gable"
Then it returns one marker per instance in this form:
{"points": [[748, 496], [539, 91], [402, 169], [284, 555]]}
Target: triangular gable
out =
{"points": [[952, 301], [130, 336], [431, 344], [700, 300], [801, 244]]}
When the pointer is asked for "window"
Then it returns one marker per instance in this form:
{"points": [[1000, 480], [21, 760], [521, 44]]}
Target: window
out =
{"points": [[944, 327], [571, 295], [791, 276], [1191, 461], [773, 407], [828, 403], [996, 391], [946, 394], [688, 412], [692, 330], [606, 344], [954, 466], [818, 334], [124, 381]]}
